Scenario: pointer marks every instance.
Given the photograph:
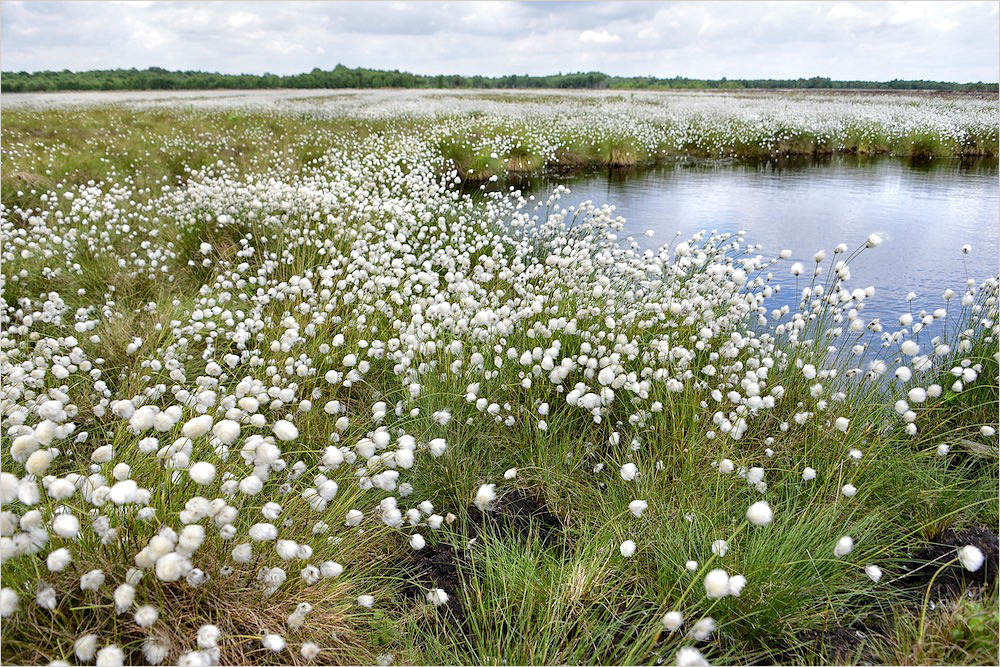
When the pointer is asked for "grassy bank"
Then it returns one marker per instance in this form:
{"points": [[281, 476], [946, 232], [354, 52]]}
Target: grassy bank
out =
{"points": [[267, 365]]}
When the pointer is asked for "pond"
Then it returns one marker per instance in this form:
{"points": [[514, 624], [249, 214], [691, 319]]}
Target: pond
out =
{"points": [[925, 212]]}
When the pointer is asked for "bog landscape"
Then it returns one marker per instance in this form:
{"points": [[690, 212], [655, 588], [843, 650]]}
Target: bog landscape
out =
{"points": [[342, 377]]}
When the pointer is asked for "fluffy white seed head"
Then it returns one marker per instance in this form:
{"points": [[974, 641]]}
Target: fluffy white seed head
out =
{"points": [[760, 514]]}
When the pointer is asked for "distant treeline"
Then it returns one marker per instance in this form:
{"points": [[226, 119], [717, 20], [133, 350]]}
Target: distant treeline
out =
{"points": [[156, 78]]}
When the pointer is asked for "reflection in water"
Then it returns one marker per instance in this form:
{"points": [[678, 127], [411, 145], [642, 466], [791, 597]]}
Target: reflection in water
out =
{"points": [[925, 210]]}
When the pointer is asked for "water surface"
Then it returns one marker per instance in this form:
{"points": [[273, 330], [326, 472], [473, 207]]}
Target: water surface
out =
{"points": [[924, 211]]}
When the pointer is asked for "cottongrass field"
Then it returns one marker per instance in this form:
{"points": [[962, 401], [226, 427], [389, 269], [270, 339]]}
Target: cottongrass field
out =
{"points": [[282, 386]]}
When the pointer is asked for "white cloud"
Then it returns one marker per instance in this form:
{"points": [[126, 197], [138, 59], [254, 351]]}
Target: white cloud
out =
{"points": [[599, 37], [844, 10], [956, 41]]}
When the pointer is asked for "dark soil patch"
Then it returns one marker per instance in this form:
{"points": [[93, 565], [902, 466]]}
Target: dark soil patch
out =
{"points": [[516, 515], [955, 578], [854, 642], [436, 566]]}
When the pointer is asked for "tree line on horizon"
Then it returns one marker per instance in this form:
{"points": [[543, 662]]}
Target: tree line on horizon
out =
{"points": [[157, 78]]}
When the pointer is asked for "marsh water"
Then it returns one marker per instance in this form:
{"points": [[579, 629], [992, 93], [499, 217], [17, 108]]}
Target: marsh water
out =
{"points": [[925, 212]]}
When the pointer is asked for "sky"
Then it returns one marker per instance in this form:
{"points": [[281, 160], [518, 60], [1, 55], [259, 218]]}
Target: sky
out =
{"points": [[874, 41]]}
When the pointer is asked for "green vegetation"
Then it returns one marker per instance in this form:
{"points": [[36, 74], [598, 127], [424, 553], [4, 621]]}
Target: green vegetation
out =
{"points": [[324, 227], [157, 78]]}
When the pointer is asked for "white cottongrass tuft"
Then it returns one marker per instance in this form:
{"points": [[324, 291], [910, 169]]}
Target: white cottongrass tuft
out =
{"points": [[874, 572], [273, 642], [689, 656], [485, 496], [703, 629], [197, 426], [717, 584], [8, 602], [110, 656], [309, 650], [285, 430], [760, 514], [145, 616], [672, 621], [736, 584], [844, 546], [437, 597], [637, 507], [720, 548], [627, 548], [202, 473], [971, 557]]}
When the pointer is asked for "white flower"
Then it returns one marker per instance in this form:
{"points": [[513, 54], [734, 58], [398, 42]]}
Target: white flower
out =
{"points": [[208, 636], [437, 596], [58, 560], [202, 473], [154, 652], [760, 514], [309, 650], [285, 430], [92, 580], [417, 542], [808, 474], [330, 569], [145, 616], [703, 629], [848, 490], [85, 647], [38, 462], [672, 620], [273, 642], [717, 584], [842, 423], [637, 507], [172, 566], [629, 471], [689, 656], [197, 426], [943, 449], [485, 495], [287, 549], [8, 603], [510, 474], [110, 656], [627, 548], [971, 557], [366, 600], [736, 584], [874, 572], [124, 596], [66, 525], [720, 547], [726, 466], [227, 431], [691, 565], [874, 240], [437, 447], [844, 546]]}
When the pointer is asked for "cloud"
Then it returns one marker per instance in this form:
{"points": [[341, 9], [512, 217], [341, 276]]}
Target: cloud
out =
{"points": [[954, 41], [599, 37]]}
